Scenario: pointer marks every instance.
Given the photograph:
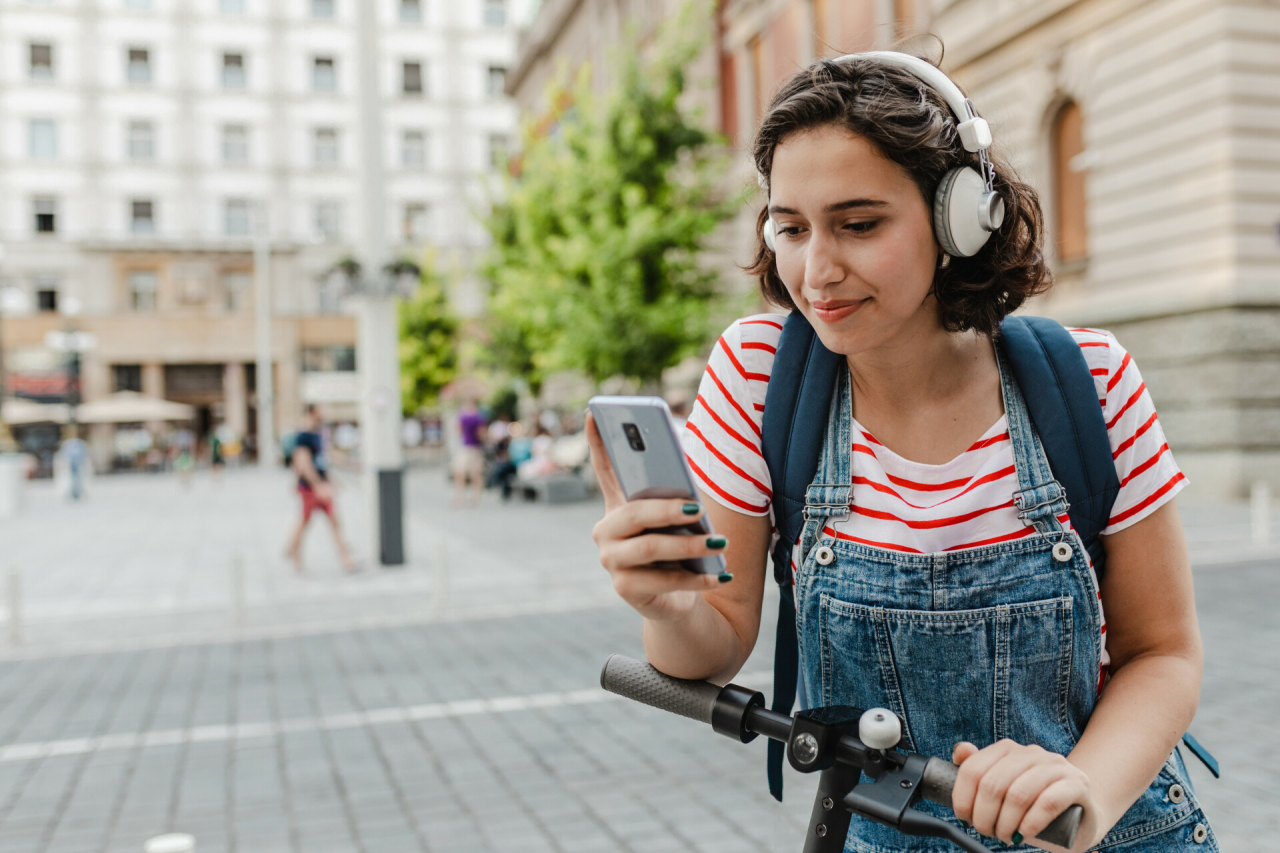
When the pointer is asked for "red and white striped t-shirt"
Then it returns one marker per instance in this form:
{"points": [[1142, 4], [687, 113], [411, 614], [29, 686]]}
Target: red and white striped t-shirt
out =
{"points": [[908, 506]]}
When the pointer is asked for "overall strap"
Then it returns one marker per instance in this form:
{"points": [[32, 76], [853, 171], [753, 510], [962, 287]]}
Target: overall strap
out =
{"points": [[1040, 498], [795, 418], [1062, 401]]}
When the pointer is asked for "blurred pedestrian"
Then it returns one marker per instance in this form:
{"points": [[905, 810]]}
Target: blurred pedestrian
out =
{"points": [[468, 461], [76, 454], [216, 458], [309, 462]]}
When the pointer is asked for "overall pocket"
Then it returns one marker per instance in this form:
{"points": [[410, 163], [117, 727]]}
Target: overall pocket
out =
{"points": [[978, 675]]}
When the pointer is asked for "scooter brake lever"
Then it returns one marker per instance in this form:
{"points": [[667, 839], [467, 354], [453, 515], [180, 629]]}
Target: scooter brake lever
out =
{"points": [[915, 822]]}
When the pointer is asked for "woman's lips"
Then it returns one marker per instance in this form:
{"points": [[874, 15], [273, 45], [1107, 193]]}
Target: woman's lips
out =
{"points": [[834, 312]]}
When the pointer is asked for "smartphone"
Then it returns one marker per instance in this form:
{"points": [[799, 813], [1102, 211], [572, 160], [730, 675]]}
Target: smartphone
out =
{"points": [[641, 439]]}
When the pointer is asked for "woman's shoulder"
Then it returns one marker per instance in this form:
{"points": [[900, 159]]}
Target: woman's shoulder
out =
{"points": [[1109, 362], [749, 346]]}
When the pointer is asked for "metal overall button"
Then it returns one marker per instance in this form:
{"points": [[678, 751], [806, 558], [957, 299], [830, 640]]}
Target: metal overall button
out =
{"points": [[824, 555], [1061, 552], [1176, 794], [1200, 833]]}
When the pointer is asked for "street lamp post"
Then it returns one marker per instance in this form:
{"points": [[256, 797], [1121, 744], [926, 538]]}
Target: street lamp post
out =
{"points": [[378, 332], [264, 377], [73, 342]]}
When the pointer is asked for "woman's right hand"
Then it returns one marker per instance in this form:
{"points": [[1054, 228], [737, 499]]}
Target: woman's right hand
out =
{"points": [[639, 561]]}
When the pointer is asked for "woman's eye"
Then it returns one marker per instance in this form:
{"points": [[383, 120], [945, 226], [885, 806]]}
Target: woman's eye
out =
{"points": [[791, 230], [862, 227]]}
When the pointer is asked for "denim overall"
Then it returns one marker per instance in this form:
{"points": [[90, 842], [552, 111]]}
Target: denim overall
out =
{"points": [[1000, 641]]}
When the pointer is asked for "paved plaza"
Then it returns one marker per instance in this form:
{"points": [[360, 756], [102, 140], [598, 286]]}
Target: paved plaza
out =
{"points": [[452, 705]]}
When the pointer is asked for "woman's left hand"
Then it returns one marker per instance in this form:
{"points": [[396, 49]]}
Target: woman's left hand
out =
{"points": [[1012, 792]]}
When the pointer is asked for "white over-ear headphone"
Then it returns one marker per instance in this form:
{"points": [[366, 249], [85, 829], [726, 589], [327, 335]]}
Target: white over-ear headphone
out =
{"points": [[966, 207]]}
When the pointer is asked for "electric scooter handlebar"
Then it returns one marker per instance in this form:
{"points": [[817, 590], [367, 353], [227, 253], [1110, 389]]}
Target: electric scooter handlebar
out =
{"points": [[739, 712]]}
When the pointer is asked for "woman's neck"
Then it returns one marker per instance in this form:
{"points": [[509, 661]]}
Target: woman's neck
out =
{"points": [[921, 362]]}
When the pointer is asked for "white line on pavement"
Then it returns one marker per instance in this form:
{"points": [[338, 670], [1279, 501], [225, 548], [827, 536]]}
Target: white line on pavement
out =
{"points": [[331, 722]]}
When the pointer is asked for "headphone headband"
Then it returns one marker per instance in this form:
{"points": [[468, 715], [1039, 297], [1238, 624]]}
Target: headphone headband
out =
{"points": [[975, 134]]}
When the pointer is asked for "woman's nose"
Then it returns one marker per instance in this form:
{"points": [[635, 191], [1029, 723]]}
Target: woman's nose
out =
{"points": [[822, 260]]}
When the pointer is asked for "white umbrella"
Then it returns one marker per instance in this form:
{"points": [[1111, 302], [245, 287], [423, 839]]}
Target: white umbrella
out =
{"points": [[17, 412], [132, 407]]}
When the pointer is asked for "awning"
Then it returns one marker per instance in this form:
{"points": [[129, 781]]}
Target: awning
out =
{"points": [[16, 411], [132, 407]]}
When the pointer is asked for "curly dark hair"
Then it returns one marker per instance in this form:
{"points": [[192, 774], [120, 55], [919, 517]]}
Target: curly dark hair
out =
{"points": [[911, 125]]}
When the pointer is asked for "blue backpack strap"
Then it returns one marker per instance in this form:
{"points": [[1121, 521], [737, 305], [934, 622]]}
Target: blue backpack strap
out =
{"points": [[795, 421], [1063, 403]]}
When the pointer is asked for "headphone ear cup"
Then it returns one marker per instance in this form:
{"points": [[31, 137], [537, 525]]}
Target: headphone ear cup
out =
{"points": [[770, 235], [956, 221]]}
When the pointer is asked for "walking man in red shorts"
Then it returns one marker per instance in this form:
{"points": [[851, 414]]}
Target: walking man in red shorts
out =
{"points": [[315, 490]]}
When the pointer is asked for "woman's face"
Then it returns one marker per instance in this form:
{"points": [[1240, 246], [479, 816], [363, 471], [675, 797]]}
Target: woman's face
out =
{"points": [[855, 243]]}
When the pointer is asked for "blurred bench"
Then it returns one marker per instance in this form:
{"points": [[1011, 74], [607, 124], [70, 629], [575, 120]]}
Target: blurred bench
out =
{"points": [[555, 488]]}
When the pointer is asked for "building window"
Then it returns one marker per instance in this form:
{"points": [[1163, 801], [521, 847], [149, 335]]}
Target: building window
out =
{"points": [[142, 216], [414, 226], [143, 285], [904, 17], [1069, 198], [496, 82], [235, 144], [41, 61], [141, 142], [45, 210], [128, 377], [495, 13], [45, 286], [322, 8], [413, 150], [231, 7], [410, 11], [233, 76], [138, 68], [237, 287], [235, 218], [328, 359], [42, 139], [499, 151], [412, 78], [324, 75], [325, 149], [329, 221], [755, 53]]}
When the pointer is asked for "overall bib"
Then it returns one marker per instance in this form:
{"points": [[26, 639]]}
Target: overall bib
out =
{"points": [[1000, 641]]}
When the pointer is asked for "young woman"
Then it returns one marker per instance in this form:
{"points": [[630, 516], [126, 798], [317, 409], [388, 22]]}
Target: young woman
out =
{"points": [[942, 601]]}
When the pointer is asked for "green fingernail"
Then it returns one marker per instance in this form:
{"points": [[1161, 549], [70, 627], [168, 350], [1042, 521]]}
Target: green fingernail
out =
{"points": [[691, 509], [725, 577], [715, 543], [1017, 838]]}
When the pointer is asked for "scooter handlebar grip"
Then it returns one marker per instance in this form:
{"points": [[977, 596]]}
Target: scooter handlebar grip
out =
{"points": [[940, 778], [640, 681]]}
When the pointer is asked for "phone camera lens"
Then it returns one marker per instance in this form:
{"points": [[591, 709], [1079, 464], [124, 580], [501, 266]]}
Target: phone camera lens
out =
{"points": [[633, 436]]}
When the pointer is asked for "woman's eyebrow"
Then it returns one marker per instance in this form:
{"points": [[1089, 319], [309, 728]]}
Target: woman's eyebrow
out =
{"points": [[848, 204]]}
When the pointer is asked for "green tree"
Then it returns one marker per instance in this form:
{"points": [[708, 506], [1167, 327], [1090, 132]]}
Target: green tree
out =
{"points": [[428, 343], [595, 258]]}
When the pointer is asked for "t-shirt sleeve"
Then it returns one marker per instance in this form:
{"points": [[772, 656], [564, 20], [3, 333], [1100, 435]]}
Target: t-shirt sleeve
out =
{"points": [[1149, 476], [722, 438]]}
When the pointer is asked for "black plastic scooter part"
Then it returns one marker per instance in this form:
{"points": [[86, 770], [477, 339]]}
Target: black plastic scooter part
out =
{"points": [[829, 821], [729, 715]]}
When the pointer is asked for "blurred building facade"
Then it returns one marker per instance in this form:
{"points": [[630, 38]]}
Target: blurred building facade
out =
{"points": [[140, 139], [1148, 127]]}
